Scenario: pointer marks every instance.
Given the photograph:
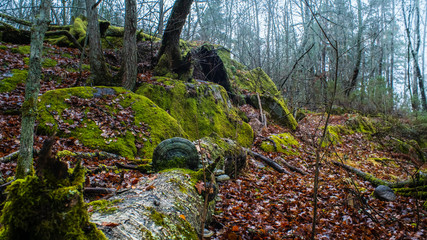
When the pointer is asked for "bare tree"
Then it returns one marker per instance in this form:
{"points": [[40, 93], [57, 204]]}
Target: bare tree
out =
{"points": [[129, 64], [32, 88], [100, 74]]}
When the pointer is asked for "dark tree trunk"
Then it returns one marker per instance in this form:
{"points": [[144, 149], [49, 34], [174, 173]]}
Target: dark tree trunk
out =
{"points": [[32, 89], [100, 75], [169, 56], [129, 64], [356, 70]]}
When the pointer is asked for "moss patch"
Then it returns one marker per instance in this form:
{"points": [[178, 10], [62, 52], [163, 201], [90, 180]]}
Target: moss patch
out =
{"points": [[9, 84], [36, 209], [201, 109], [361, 124], [139, 124], [183, 230], [103, 206], [285, 143]]}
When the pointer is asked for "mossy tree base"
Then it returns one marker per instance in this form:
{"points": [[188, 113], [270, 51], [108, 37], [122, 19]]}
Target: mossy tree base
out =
{"points": [[39, 209]]}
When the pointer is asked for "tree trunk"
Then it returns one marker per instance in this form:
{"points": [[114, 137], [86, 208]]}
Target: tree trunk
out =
{"points": [[359, 46], [129, 64], [100, 75], [161, 18], [32, 88], [169, 56]]}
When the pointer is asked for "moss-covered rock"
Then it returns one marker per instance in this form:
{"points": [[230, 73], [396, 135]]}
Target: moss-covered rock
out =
{"points": [[200, 108], [10, 83], [226, 154], [77, 29], [276, 109], [108, 119], [333, 134], [283, 143], [361, 124], [36, 209]]}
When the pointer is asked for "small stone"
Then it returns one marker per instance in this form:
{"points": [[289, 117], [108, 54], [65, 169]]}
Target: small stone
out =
{"points": [[207, 233], [218, 172], [384, 193], [222, 178]]}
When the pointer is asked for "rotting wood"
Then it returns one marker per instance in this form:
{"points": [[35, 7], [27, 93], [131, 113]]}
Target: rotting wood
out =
{"points": [[269, 161]]}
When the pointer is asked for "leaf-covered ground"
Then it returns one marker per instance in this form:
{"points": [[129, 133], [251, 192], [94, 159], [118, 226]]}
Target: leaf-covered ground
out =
{"points": [[261, 204]]}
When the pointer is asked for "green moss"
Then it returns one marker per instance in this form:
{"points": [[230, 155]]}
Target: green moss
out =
{"points": [[285, 143], [160, 124], [3, 47], [78, 30], [174, 224], [195, 176], [24, 50], [332, 136], [104, 206], [9, 84], [112, 42], [64, 153], [49, 212], [46, 62], [361, 124], [201, 109]]}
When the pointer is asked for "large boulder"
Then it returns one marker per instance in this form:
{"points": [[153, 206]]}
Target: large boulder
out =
{"points": [[201, 108], [275, 107], [215, 64], [108, 119]]}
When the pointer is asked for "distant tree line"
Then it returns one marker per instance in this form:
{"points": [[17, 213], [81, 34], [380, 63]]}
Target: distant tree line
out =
{"points": [[381, 43]]}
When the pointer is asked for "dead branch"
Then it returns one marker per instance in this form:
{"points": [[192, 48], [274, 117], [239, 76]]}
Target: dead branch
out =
{"points": [[269, 162], [290, 166]]}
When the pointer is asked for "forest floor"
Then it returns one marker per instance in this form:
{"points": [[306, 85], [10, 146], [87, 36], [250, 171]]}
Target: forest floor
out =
{"points": [[262, 203]]}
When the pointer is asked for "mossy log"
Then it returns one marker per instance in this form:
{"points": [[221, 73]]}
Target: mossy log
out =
{"points": [[164, 206], [415, 187]]}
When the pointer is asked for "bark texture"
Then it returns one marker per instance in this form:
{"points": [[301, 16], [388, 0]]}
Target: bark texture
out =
{"points": [[32, 89], [129, 50], [169, 55], [100, 75], [165, 206]]}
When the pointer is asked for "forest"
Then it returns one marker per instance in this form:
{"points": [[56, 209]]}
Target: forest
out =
{"points": [[209, 119]]}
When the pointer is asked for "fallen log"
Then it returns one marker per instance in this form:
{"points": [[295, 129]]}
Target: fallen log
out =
{"points": [[164, 206], [269, 162], [419, 180], [290, 166], [170, 204]]}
